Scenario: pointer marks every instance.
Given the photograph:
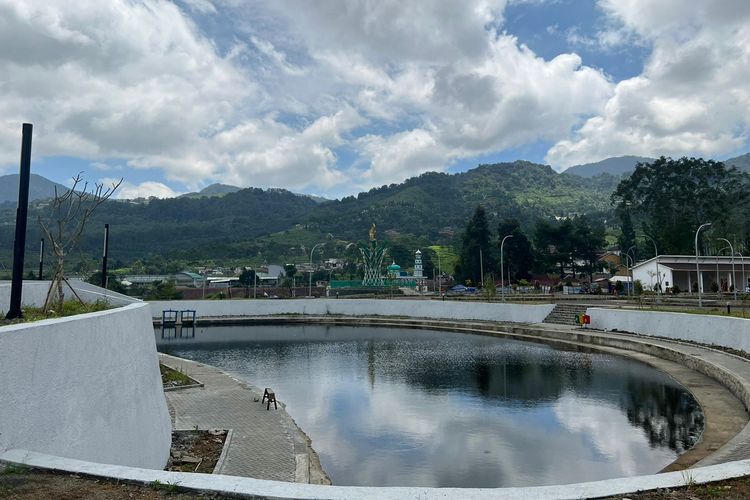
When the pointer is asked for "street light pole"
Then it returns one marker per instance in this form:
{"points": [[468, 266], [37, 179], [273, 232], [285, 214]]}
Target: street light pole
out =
{"points": [[440, 277], [481, 267], [718, 281], [628, 258], [697, 266], [734, 274], [744, 280], [656, 256], [309, 293], [502, 276], [632, 265]]}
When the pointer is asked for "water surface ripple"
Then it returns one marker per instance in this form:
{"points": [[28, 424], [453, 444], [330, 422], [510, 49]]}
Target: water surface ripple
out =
{"points": [[401, 407]]}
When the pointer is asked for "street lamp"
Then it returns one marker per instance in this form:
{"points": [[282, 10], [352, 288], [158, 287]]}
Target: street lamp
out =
{"points": [[309, 293], [630, 271], [632, 265], [718, 281], [734, 275], [440, 276], [656, 256], [697, 266], [744, 279], [502, 277]]}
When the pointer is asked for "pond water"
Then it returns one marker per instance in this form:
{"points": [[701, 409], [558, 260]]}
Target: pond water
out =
{"points": [[401, 407]]}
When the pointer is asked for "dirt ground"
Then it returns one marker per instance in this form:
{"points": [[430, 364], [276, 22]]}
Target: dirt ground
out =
{"points": [[733, 489], [192, 451], [195, 451]]}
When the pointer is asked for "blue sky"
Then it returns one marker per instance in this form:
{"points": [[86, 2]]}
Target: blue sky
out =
{"points": [[335, 97]]}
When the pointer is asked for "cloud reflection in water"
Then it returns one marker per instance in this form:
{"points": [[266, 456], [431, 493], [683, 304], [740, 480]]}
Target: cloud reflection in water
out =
{"points": [[410, 407]]}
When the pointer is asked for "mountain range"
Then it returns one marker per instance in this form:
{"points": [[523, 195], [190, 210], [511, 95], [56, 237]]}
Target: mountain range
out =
{"points": [[41, 188], [225, 222]]}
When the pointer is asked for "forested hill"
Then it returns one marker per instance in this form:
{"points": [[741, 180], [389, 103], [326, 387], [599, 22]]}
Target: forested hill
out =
{"points": [[435, 205], [432, 208]]}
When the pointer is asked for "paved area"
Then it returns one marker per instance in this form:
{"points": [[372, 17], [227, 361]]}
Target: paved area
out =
{"points": [[264, 444]]}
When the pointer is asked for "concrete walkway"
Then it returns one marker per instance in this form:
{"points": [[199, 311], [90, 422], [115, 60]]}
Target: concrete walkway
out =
{"points": [[264, 444]]}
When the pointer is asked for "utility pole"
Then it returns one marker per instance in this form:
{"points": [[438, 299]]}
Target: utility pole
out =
{"points": [[19, 243], [41, 259], [697, 267], [105, 252], [502, 277]]}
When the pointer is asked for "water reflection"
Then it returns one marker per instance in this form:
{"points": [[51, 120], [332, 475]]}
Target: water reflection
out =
{"points": [[411, 407]]}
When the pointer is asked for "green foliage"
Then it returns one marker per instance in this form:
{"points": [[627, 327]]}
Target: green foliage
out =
{"points": [[270, 225], [475, 247], [162, 291], [638, 287], [167, 487], [247, 277], [518, 254], [669, 199]]}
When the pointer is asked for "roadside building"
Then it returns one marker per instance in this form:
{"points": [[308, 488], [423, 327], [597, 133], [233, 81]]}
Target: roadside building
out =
{"points": [[680, 270]]}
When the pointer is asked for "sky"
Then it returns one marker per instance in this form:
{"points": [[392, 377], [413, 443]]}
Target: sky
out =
{"points": [[335, 97]]}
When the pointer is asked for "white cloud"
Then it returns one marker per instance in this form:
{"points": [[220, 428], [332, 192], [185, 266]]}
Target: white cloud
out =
{"points": [[692, 97], [128, 191], [402, 87]]}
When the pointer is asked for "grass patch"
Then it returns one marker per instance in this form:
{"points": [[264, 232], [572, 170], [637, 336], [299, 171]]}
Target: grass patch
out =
{"points": [[168, 487], [69, 308], [15, 469], [174, 378]]}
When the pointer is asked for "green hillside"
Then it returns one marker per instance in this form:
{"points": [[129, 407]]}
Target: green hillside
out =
{"points": [[431, 209]]}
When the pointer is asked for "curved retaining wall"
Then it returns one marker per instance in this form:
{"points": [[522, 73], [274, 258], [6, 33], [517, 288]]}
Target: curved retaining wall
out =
{"points": [[34, 293], [515, 313], [86, 387], [712, 330]]}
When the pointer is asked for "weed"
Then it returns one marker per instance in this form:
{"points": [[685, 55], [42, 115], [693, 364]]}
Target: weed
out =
{"points": [[688, 478], [168, 486], [16, 469]]}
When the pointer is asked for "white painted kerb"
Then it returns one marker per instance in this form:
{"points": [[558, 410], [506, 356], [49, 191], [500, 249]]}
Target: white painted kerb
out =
{"points": [[476, 311], [86, 387], [230, 485]]}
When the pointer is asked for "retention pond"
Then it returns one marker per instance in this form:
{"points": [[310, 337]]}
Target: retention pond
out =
{"points": [[403, 407]]}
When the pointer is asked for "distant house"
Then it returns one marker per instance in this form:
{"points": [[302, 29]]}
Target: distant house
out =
{"points": [[186, 278]]}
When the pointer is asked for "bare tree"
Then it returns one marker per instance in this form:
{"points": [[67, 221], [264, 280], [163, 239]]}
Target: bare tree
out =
{"points": [[68, 216]]}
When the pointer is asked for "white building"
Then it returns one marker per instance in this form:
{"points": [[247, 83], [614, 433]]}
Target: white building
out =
{"points": [[418, 265], [680, 270]]}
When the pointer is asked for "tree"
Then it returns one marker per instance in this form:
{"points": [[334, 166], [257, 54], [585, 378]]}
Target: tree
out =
{"points": [[554, 244], [69, 213], [518, 254], [627, 232], [475, 245], [290, 270], [587, 241], [247, 277], [671, 198]]}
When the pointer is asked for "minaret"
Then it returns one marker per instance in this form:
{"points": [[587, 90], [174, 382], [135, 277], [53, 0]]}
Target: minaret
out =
{"points": [[418, 265]]}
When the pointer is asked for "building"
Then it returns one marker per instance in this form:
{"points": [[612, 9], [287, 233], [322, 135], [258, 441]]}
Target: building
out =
{"points": [[680, 270], [418, 265]]}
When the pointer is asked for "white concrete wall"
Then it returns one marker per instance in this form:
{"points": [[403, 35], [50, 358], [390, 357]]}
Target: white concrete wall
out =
{"points": [[714, 330], [85, 387], [34, 293], [517, 313]]}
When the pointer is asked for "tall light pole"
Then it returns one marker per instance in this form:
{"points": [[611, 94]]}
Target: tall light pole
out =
{"points": [[744, 279], [734, 274], [697, 266], [632, 265], [718, 281], [440, 276], [309, 293], [502, 276], [481, 267], [630, 275], [656, 256]]}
